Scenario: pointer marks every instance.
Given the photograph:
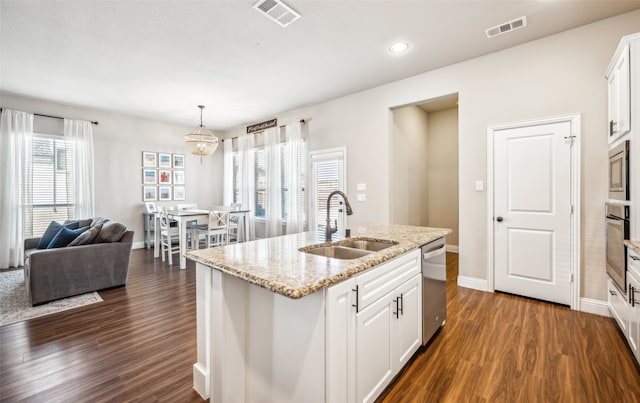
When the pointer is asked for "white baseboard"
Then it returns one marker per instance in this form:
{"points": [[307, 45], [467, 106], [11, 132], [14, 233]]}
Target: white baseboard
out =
{"points": [[474, 283], [595, 306], [138, 245], [452, 248]]}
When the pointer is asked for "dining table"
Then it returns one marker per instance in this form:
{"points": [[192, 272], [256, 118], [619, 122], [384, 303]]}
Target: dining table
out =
{"points": [[181, 217]]}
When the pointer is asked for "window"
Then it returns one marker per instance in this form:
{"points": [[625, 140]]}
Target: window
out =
{"points": [[260, 178], [327, 175], [53, 183]]}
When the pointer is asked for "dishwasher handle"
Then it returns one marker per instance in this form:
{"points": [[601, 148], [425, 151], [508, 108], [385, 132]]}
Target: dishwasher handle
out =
{"points": [[434, 253]]}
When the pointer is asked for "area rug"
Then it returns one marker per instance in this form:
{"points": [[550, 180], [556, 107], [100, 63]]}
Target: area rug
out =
{"points": [[14, 306]]}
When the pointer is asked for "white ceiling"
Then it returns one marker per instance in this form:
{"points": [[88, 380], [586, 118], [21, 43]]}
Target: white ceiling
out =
{"points": [[160, 59]]}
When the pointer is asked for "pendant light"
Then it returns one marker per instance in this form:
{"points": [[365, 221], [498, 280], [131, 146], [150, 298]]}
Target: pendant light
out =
{"points": [[201, 141]]}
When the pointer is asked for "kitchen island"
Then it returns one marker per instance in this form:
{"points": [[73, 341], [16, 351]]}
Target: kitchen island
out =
{"points": [[278, 324]]}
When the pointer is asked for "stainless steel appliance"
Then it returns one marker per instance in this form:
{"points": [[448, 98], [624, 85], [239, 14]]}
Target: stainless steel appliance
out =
{"points": [[617, 230], [434, 288], [619, 172]]}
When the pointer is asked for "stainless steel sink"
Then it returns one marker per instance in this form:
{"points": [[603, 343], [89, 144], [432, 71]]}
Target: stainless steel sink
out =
{"points": [[348, 248], [337, 252], [367, 244]]}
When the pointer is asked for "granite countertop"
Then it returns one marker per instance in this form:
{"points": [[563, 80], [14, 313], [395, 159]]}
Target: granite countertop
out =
{"points": [[277, 265], [634, 245]]}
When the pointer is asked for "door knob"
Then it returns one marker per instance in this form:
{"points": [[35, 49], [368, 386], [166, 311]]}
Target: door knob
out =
{"points": [[499, 219]]}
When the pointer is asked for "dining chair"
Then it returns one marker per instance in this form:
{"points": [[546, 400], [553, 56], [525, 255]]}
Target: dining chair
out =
{"points": [[217, 232], [168, 235], [233, 223], [192, 225]]}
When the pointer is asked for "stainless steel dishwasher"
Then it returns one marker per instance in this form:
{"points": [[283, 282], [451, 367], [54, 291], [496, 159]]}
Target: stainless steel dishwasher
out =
{"points": [[434, 288]]}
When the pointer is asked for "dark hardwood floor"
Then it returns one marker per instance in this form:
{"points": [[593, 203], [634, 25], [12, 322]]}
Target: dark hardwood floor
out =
{"points": [[139, 345]]}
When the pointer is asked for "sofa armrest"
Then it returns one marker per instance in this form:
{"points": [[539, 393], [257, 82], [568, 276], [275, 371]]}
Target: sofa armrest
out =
{"points": [[31, 243]]}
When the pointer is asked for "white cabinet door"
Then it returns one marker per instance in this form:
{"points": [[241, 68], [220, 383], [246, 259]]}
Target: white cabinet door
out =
{"points": [[340, 342], [634, 313], [619, 97], [617, 306], [374, 357], [409, 323]]}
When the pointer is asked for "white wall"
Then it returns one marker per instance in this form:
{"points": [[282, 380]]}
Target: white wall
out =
{"points": [[556, 75], [442, 154], [118, 143], [409, 165]]}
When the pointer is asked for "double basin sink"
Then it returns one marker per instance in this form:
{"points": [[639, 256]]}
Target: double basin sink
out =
{"points": [[349, 248]]}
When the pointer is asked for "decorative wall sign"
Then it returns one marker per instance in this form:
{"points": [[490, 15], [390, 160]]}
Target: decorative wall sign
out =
{"points": [[262, 125]]}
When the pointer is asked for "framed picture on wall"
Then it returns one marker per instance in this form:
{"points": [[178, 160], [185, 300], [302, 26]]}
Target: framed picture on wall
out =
{"points": [[178, 177], [149, 193], [178, 193], [164, 160], [164, 176], [149, 177], [149, 159], [178, 161], [165, 193]]}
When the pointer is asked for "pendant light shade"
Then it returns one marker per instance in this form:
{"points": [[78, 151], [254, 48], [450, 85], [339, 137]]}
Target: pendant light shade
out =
{"points": [[201, 141]]}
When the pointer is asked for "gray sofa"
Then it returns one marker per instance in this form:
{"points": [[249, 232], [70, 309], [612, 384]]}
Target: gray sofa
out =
{"points": [[63, 272]]}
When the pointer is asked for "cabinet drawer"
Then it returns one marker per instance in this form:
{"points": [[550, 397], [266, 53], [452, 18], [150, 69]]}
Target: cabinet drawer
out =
{"points": [[617, 305], [380, 280]]}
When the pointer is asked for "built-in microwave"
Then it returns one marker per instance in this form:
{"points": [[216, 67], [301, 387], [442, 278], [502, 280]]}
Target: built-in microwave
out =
{"points": [[619, 172]]}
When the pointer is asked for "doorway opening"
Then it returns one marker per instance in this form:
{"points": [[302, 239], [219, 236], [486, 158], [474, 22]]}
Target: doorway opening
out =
{"points": [[424, 165]]}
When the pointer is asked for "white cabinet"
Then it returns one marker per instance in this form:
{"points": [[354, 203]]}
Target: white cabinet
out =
{"points": [[619, 95], [374, 326]]}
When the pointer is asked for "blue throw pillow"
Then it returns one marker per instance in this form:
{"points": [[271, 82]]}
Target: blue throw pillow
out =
{"points": [[52, 230], [65, 236]]}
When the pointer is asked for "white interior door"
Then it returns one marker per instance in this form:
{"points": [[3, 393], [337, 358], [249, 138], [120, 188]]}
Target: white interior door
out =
{"points": [[532, 211]]}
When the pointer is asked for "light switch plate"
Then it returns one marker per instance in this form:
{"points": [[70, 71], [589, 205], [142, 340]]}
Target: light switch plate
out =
{"points": [[361, 187], [479, 186], [362, 197]]}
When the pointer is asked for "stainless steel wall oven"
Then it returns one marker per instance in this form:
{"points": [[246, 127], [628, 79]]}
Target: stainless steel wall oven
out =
{"points": [[617, 230]]}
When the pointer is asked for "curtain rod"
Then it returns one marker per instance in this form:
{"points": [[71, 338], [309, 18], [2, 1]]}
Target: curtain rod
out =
{"points": [[57, 117], [303, 121]]}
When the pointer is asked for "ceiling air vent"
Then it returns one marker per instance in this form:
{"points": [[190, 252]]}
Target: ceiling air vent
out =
{"points": [[277, 11], [506, 27]]}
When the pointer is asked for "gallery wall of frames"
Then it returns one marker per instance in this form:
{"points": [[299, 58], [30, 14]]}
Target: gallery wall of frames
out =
{"points": [[162, 176]]}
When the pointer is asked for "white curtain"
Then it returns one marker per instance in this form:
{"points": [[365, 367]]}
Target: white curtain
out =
{"points": [[295, 219], [273, 185], [246, 174], [227, 186], [79, 134], [16, 136]]}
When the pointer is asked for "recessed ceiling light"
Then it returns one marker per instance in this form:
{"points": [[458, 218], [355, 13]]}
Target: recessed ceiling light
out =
{"points": [[399, 47]]}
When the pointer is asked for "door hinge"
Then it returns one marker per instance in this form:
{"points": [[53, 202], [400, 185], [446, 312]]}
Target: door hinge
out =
{"points": [[572, 277], [572, 209]]}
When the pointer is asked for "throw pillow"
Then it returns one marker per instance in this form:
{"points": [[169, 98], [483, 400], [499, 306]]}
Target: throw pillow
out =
{"points": [[111, 232], [98, 220], [86, 222], [86, 237], [72, 224], [65, 236], [49, 233]]}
